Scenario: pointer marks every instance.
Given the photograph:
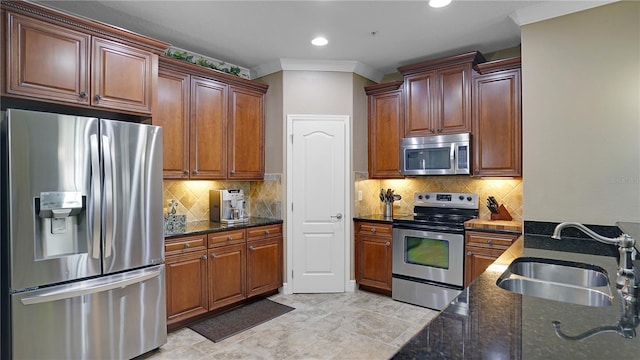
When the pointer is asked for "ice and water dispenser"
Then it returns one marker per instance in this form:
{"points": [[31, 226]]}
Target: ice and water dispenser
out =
{"points": [[58, 215]]}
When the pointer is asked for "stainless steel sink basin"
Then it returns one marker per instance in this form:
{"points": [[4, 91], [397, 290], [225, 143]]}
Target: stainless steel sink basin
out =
{"points": [[559, 280]]}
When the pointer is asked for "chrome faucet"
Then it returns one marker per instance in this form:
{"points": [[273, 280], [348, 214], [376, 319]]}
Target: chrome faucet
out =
{"points": [[628, 280]]}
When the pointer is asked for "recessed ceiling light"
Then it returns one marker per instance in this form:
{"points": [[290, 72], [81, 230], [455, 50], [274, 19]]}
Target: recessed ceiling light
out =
{"points": [[439, 3], [319, 41]]}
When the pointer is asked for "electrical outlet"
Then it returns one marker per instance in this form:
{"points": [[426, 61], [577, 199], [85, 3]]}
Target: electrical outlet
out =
{"points": [[359, 195]]}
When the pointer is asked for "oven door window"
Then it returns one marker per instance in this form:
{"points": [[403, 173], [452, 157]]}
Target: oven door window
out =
{"points": [[427, 252], [428, 159]]}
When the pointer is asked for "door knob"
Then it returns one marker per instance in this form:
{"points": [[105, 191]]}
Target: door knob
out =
{"points": [[337, 216]]}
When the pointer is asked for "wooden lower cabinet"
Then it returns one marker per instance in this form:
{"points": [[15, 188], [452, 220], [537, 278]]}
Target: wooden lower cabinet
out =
{"points": [[227, 275], [482, 249], [208, 272], [373, 255], [186, 278]]}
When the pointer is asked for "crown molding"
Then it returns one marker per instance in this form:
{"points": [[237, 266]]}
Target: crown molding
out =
{"points": [[551, 9], [350, 66]]}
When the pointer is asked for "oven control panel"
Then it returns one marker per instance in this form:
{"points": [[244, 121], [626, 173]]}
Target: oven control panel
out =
{"points": [[448, 200]]}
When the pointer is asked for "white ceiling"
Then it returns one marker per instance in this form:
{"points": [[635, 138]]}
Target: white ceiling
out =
{"points": [[371, 38]]}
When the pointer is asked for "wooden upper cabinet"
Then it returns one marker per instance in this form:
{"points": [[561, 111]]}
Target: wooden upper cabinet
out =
{"points": [[438, 95], [497, 119], [208, 134], [213, 123], [56, 57], [36, 54], [246, 134], [172, 113], [386, 129], [122, 77]]}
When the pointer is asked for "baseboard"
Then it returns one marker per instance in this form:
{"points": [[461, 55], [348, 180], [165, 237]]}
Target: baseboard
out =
{"points": [[286, 289], [351, 286]]}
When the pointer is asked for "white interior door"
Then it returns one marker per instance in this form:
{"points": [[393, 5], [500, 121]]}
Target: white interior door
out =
{"points": [[318, 160]]}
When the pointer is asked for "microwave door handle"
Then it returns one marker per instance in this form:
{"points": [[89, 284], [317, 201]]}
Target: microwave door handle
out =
{"points": [[453, 155]]}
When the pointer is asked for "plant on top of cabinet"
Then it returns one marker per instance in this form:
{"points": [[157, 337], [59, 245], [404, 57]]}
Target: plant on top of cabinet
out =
{"points": [[497, 119], [438, 95], [58, 58]]}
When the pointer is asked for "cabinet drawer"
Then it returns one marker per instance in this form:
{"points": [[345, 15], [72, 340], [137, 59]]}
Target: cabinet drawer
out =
{"points": [[374, 229], [226, 238], [263, 232], [186, 244], [489, 239]]}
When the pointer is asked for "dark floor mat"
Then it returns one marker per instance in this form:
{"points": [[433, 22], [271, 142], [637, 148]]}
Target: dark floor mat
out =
{"points": [[238, 320]]}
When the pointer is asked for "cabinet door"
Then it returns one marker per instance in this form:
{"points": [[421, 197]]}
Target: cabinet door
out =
{"points": [[497, 145], [246, 134], [227, 275], [264, 266], [186, 279], [477, 260], [172, 113], [386, 130], [374, 267], [454, 100], [46, 61], [122, 77], [419, 107], [208, 129]]}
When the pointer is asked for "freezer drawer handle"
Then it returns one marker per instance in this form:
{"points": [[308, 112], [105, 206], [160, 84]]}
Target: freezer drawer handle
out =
{"points": [[61, 295]]}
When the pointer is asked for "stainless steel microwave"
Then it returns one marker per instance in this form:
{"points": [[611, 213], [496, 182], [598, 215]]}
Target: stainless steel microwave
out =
{"points": [[436, 155]]}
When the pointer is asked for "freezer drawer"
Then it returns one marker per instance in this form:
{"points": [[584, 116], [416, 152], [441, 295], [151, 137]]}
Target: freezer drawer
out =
{"points": [[116, 317]]}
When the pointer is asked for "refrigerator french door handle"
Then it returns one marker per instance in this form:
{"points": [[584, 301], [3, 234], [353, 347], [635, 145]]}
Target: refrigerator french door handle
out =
{"points": [[108, 195], [61, 295], [95, 194]]}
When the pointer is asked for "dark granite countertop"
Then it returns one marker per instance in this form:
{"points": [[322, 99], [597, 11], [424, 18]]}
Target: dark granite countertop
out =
{"points": [[487, 322], [380, 218], [203, 227]]}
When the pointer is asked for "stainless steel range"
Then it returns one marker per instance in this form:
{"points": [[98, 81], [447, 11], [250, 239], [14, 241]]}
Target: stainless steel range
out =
{"points": [[428, 249]]}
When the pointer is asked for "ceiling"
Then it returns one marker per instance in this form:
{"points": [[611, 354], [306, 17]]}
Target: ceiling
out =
{"points": [[371, 38]]}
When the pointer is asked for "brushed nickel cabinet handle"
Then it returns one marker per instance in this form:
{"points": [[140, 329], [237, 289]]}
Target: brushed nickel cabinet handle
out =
{"points": [[439, 130], [387, 243], [195, 172], [489, 241], [213, 255], [266, 232], [204, 257], [186, 245], [251, 248], [83, 94], [229, 238], [185, 173], [98, 97], [373, 230], [469, 253]]}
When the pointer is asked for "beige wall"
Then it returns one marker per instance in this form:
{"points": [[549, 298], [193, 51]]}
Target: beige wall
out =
{"points": [[360, 125], [274, 124], [581, 116]]}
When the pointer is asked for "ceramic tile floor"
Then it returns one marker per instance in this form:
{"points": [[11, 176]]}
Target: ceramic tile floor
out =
{"points": [[355, 325]]}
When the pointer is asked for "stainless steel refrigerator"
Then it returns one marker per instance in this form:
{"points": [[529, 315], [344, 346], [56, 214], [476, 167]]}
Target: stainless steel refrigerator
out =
{"points": [[83, 243]]}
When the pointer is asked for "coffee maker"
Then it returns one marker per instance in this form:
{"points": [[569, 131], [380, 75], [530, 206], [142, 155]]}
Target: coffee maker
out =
{"points": [[227, 206]]}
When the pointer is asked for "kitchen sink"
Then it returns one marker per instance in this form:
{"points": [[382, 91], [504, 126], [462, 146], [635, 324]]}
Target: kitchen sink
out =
{"points": [[559, 280]]}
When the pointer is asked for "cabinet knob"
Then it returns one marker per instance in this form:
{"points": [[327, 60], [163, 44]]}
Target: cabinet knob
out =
{"points": [[186, 245], [373, 230], [266, 232], [185, 173], [83, 94], [98, 97], [229, 238], [195, 172], [387, 243], [431, 130], [489, 241], [251, 248], [204, 257], [439, 130], [233, 172], [213, 255], [469, 253]]}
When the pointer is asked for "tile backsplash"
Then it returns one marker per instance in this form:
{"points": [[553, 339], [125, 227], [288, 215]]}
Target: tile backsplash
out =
{"points": [[506, 191], [263, 197]]}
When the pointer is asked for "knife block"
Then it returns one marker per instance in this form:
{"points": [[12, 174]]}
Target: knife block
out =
{"points": [[502, 214]]}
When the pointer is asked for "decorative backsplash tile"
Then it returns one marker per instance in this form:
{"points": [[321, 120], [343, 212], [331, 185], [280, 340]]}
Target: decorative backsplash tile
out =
{"points": [[263, 198], [506, 191]]}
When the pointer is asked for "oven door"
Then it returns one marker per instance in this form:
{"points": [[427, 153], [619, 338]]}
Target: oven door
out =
{"points": [[429, 256]]}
